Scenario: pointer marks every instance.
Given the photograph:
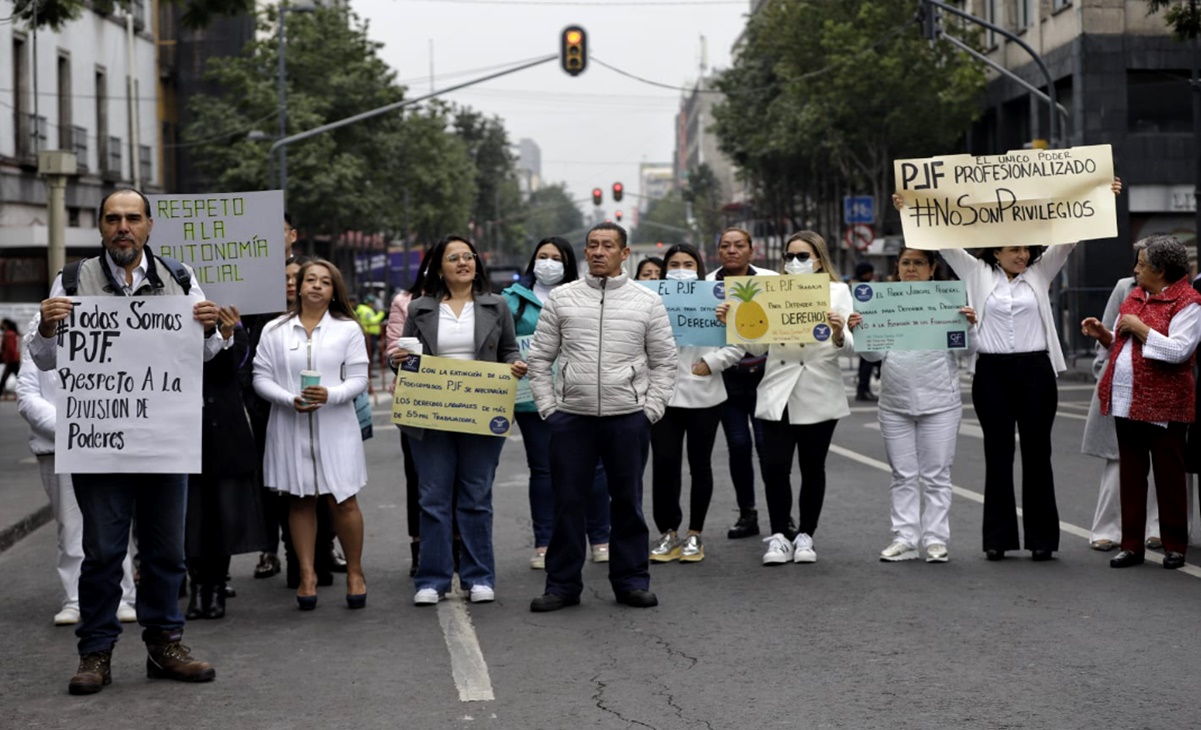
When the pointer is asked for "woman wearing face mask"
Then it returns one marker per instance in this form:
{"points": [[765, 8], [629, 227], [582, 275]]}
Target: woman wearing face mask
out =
{"points": [[694, 411], [800, 401], [552, 264], [1017, 362], [920, 410]]}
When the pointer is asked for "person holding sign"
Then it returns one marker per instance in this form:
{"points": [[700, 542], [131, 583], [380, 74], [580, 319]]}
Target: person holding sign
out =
{"points": [[128, 268], [1018, 352], [459, 318], [1149, 389], [310, 365], [693, 412], [800, 401], [617, 368], [552, 265], [920, 410]]}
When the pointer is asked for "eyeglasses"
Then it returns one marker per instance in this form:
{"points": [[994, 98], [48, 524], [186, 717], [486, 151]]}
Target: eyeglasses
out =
{"points": [[798, 256], [466, 257]]}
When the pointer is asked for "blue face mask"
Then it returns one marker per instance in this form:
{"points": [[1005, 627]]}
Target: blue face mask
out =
{"points": [[682, 274]]}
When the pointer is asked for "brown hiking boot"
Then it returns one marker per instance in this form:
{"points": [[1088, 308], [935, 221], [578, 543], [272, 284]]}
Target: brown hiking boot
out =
{"points": [[169, 659], [93, 674]]}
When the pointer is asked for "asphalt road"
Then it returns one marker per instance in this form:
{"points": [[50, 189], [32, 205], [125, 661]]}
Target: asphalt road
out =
{"points": [[848, 642]]}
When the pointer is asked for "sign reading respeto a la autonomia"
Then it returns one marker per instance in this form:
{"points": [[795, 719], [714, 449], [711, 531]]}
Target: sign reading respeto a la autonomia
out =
{"points": [[1021, 198]]}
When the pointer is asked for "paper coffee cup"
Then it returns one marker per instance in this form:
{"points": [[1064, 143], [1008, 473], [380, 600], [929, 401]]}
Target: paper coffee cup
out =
{"points": [[411, 345], [309, 378]]}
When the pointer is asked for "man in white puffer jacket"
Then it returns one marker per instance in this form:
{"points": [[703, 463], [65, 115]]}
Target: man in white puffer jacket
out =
{"points": [[616, 371]]}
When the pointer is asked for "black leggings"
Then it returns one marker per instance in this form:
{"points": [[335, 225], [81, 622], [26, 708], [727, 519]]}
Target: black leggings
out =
{"points": [[811, 443], [667, 447]]}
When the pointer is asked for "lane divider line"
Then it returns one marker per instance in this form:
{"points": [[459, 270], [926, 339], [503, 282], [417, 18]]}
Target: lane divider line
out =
{"points": [[466, 659]]}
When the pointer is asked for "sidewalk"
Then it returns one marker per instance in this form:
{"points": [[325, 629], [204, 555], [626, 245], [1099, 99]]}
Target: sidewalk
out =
{"points": [[23, 503]]}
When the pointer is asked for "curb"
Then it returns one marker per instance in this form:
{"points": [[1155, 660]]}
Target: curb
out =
{"points": [[10, 535]]}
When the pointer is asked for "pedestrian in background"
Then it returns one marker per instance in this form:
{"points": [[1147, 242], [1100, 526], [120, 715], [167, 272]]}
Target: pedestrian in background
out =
{"points": [[865, 272], [10, 352], [693, 413], [314, 444], [649, 269], [919, 414], [552, 265]]}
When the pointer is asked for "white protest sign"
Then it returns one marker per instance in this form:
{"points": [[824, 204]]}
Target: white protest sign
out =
{"points": [[130, 372], [234, 243], [1020, 198]]}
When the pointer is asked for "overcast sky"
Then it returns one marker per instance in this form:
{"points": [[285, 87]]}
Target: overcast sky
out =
{"points": [[593, 129]]}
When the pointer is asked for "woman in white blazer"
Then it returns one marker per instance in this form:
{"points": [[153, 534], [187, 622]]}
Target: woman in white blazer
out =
{"points": [[800, 401], [314, 444]]}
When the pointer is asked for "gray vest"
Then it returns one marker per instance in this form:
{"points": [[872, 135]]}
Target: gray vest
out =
{"points": [[94, 281]]}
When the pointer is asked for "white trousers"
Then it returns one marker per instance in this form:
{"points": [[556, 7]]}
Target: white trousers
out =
{"points": [[1107, 522], [69, 521], [920, 450]]}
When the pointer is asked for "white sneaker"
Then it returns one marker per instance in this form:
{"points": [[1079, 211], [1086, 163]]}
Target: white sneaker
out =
{"points": [[802, 549], [69, 616], [779, 550], [899, 550], [426, 597], [600, 553], [538, 561], [482, 594], [126, 613], [936, 553]]}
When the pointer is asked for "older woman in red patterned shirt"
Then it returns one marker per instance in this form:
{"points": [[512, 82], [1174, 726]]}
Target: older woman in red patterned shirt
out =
{"points": [[1148, 387]]}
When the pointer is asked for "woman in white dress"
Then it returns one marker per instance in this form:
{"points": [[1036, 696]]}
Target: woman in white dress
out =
{"points": [[314, 445]]}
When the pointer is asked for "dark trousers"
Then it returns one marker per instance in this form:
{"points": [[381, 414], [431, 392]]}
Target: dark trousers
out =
{"points": [[810, 442], [209, 570], [412, 502], [108, 503], [1019, 390], [622, 443], [699, 425], [535, 436], [1143, 446], [744, 432], [864, 386]]}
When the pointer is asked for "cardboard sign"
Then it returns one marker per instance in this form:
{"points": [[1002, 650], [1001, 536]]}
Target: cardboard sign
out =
{"points": [[444, 394], [692, 308], [1021, 198], [777, 309], [234, 243], [919, 315], [131, 376]]}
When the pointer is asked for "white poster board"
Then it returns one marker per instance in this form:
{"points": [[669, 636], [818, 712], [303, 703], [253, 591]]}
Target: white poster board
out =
{"points": [[234, 243], [130, 373]]}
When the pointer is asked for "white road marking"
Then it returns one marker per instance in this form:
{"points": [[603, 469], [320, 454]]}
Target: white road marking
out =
{"points": [[1067, 527], [466, 660]]}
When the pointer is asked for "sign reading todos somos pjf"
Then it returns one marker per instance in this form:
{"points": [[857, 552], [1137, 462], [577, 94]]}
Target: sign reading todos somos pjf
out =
{"points": [[692, 308], [234, 243], [1021, 198], [130, 373], [444, 394], [777, 309], [920, 315]]}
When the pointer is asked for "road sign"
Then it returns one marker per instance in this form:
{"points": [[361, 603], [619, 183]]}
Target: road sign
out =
{"points": [[859, 236], [858, 209]]}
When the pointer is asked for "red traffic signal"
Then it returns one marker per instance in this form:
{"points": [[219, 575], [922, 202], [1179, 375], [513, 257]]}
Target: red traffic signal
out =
{"points": [[618, 214], [597, 194], [573, 53], [618, 189]]}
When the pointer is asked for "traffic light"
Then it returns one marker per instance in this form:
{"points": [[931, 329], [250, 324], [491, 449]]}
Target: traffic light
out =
{"points": [[931, 20], [573, 55], [618, 214], [618, 189], [596, 196]]}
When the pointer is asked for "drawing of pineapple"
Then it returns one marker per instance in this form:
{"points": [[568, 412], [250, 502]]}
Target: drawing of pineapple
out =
{"points": [[750, 321]]}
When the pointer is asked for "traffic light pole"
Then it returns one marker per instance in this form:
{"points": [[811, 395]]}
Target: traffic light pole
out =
{"points": [[402, 104]]}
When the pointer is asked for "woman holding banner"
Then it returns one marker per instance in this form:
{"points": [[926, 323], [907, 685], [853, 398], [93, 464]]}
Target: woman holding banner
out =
{"points": [[800, 401], [1018, 358], [457, 317], [920, 410], [694, 412], [552, 264], [314, 444]]}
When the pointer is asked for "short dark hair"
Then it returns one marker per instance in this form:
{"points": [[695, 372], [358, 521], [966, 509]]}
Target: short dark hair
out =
{"points": [[653, 260], [571, 270], [434, 286], [120, 191], [1165, 254], [288, 218], [930, 256], [688, 250], [989, 255], [610, 226]]}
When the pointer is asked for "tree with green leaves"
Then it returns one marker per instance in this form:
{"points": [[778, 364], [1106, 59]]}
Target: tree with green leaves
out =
{"points": [[55, 14], [666, 219], [498, 196], [703, 192], [550, 211]]}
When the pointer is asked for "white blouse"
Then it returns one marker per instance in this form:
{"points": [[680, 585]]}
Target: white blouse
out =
{"points": [[1014, 323], [456, 335], [1184, 332]]}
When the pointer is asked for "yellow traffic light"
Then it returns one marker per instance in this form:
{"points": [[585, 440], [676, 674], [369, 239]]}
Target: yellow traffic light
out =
{"points": [[573, 55]]}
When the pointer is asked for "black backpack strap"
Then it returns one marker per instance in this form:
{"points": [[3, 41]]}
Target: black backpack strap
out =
{"points": [[179, 272], [70, 277]]}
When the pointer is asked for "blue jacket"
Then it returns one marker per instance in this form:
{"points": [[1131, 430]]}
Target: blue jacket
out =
{"points": [[526, 308]]}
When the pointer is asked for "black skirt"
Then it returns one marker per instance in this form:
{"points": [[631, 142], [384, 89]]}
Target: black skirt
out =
{"points": [[225, 516]]}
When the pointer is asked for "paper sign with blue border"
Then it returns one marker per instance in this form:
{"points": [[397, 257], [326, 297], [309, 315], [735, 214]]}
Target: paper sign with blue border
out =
{"points": [[692, 308], [777, 309], [919, 315], [465, 396]]}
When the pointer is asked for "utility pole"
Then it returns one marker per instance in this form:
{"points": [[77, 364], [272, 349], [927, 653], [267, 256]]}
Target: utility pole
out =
{"points": [[56, 166], [1196, 82]]}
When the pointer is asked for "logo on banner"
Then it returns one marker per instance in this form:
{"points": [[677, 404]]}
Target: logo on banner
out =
{"points": [[863, 293], [821, 332]]}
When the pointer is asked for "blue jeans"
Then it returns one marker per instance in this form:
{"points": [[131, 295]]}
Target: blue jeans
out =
{"points": [[108, 503], [450, 462], [738, 422], [535, 434]]}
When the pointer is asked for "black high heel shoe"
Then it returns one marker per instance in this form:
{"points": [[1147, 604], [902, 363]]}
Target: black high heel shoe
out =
{"points": [[356, 600], [307, 603]]}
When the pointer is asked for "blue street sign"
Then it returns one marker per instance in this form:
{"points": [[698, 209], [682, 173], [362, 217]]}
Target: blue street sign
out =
{"points": [[858, 209]]}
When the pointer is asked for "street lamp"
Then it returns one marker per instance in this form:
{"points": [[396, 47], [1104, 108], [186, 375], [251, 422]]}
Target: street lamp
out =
{"points": [[284, 9]]}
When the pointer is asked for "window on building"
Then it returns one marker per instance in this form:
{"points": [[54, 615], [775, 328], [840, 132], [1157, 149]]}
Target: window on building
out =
{"points": [[992, 13], [1060, 4], [101, 119], [1027, 13], [21, 122], [1158, 101], [65, 139]]}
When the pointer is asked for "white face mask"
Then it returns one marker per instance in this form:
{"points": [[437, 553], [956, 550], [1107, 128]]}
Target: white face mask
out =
{"points": [[682, 274], [548, 272], [796, 266]]}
